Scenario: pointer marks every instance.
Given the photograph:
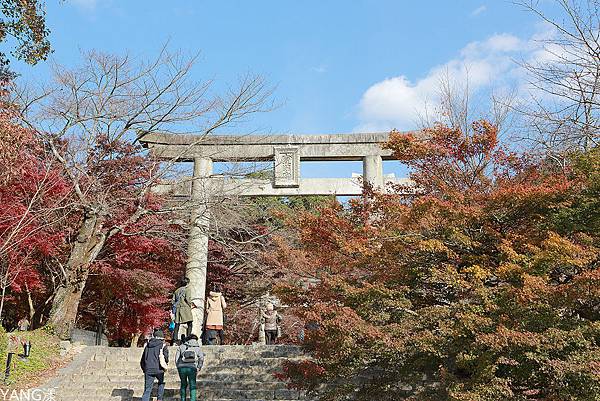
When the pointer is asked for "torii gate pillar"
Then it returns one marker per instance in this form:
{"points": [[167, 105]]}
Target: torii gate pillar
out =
{"points": [[198, 240], [373, 170]]}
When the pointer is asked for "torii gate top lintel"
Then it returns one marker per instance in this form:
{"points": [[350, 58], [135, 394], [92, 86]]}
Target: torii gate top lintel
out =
{"points": [[224, 148]]}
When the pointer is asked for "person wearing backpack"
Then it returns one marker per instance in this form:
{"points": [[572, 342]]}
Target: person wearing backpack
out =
{"points": [[154, 363], [182, 309], [189, 360]]}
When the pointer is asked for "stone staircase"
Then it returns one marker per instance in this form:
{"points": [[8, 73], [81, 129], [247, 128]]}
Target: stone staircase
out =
{"points": [[230, 373]]}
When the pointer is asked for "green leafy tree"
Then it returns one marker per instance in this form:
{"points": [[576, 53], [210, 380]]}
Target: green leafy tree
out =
{"points": [[23, 22]]}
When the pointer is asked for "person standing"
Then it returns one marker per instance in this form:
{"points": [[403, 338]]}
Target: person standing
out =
{"points": [[23, 324], [182, 309], [151, 365], [189, 360], [271, 319], [215, 304]]}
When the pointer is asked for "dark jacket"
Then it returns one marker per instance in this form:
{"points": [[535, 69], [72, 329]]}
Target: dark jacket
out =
{"points": [[191, 345], [150, 363]]}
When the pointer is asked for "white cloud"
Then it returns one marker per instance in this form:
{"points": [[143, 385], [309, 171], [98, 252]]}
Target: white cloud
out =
{"points": [[320, 69], [479, 10], [399, 102]]}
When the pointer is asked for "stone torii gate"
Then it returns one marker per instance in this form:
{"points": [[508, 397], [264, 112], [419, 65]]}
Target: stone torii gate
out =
{"points": [[286, 152]]}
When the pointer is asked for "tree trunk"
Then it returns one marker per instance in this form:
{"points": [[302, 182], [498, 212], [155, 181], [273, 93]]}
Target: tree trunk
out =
{"points": [[2, 303], [30, 303], [4, 283], [90, 241], [66, 303], [134, 340]]}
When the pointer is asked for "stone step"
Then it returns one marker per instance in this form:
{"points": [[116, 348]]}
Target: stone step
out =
{"points": [[174, 391], [134, 378], [277, 394], [212, 350], [234, 370], [202, 383], [174, 398], [170, 397], [254, 361], [97, 367], [230, 373], [263, 354]]}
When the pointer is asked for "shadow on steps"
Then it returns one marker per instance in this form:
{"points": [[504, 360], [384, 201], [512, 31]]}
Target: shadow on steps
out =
{"points": [[126, 394]]}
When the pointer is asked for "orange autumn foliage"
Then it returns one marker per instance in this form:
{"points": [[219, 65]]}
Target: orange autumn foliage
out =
{"points": [[483, 285]]}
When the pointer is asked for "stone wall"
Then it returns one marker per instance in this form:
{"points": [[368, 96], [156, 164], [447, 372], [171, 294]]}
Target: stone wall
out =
{"points": [[86, 337]]}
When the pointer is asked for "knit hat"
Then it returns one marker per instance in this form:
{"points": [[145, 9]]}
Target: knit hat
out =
{"points": [[158, 334]]}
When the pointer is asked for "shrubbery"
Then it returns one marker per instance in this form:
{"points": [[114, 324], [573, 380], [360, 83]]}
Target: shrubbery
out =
{"points": [[44, 356]]}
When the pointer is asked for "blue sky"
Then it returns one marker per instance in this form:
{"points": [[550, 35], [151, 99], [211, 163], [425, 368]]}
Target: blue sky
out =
{"points": [[339, 66]]}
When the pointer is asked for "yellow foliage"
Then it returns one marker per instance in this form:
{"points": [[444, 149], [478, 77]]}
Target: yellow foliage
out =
{"points": [[510, 271], [508, 252], [559, 250], [477, 272], [461, 238], [432, 245]]}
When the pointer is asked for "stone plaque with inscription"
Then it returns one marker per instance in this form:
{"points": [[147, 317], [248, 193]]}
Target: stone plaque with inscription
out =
{"points": [[287, 167]]}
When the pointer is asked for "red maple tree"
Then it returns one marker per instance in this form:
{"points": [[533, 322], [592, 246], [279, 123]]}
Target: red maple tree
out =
{"points": [[34, 196]]}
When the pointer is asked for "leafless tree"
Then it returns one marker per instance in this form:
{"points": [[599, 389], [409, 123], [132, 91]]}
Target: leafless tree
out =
{"points": [[458, 106], [563, 110], [91, 117]]}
